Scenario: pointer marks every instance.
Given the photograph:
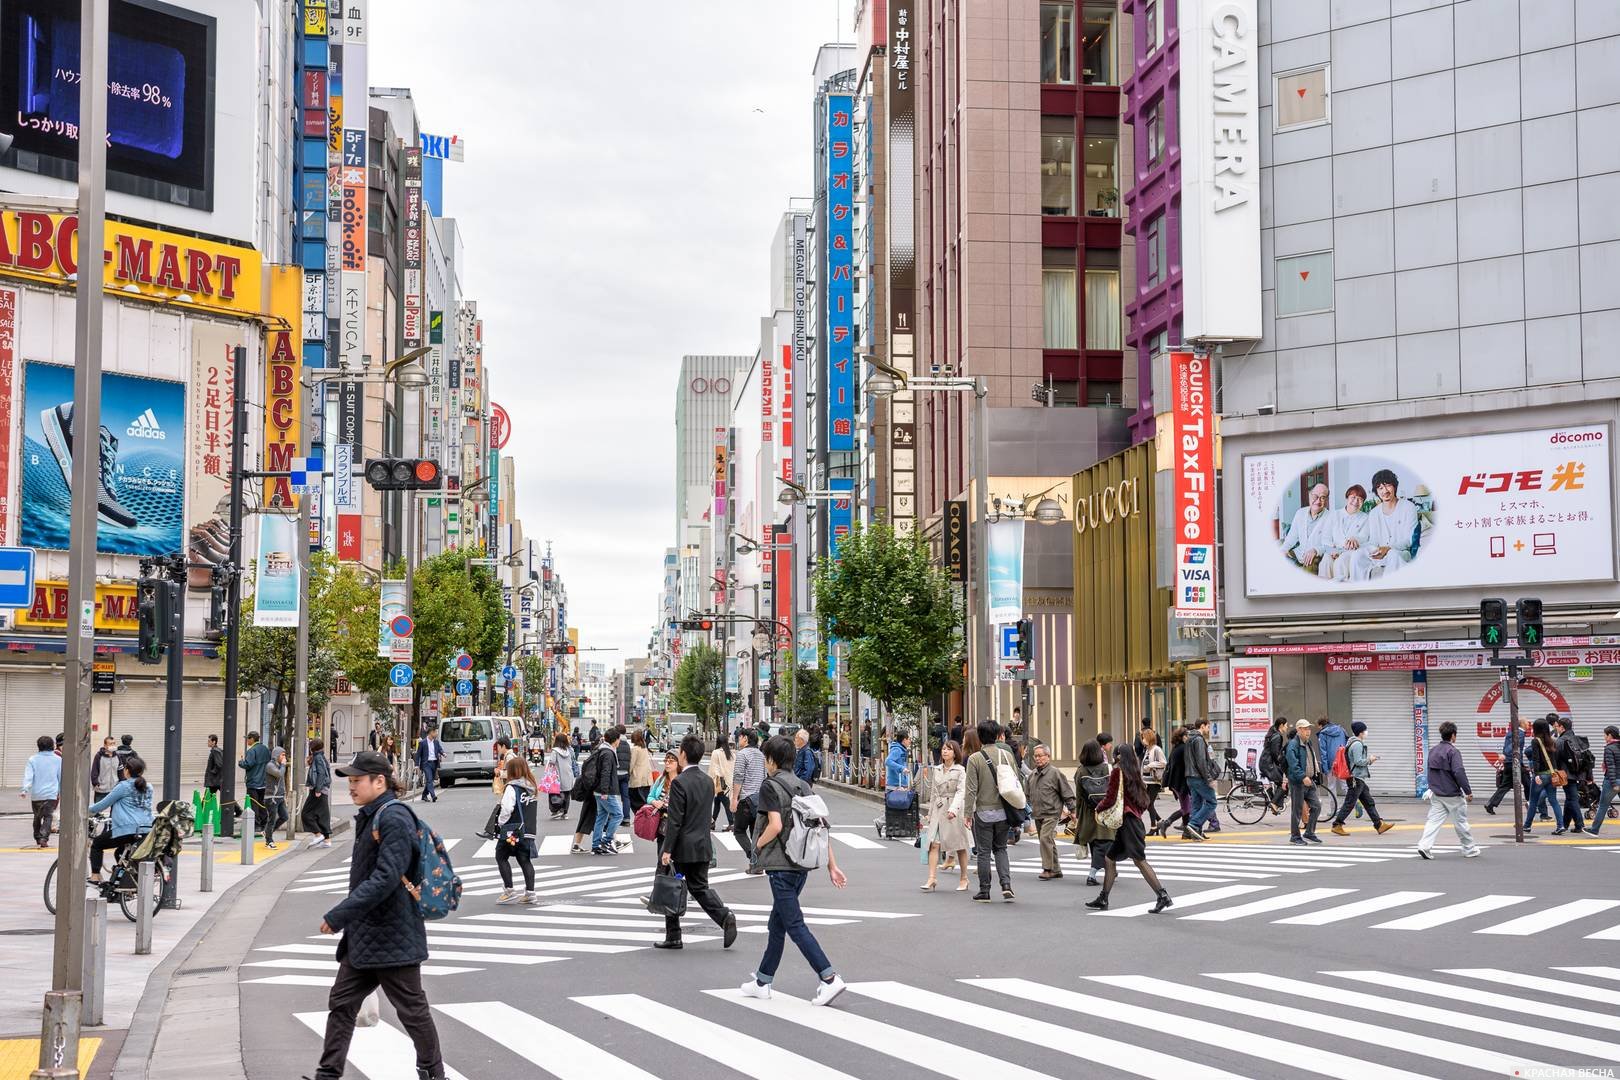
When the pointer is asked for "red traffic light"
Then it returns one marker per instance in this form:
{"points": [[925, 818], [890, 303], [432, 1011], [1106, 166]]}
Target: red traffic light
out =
{"points": [[403, 474], [427, 473]]}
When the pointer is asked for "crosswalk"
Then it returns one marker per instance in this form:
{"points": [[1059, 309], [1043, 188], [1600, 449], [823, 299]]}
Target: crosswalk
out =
{"points": [[1473, 1021], [1228, 863], [526, 936], [1426, 910]]}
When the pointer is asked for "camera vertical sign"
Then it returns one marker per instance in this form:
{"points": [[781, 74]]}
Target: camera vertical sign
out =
{"points": [[1193, 517]]}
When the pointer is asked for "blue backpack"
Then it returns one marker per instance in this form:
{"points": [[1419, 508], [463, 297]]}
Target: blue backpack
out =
{"points": [[437, 890]]}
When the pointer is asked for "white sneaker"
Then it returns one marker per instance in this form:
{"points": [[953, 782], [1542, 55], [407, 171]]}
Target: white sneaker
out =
{"points": [[1471, 854], [752, 988], [528, 898], [827, 992]]}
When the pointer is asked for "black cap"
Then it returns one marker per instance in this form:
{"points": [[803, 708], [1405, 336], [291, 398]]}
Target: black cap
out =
{"points": [[366, 763]]}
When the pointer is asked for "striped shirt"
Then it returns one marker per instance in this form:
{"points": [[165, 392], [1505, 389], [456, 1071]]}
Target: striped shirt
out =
{"points": [[749, 772]]}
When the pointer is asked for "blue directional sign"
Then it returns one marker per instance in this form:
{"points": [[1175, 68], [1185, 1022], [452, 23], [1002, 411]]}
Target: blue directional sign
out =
{"points": [[508, 672], [16, 577], [401, 674], [463, 686]]}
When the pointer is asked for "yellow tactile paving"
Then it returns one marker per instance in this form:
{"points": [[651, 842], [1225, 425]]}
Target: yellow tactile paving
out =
{"points": [[19, 1057]]}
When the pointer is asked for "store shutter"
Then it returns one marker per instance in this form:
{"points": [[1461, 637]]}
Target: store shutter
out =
{"points": [[1383, 701], [1458, 696], [33, 707]]}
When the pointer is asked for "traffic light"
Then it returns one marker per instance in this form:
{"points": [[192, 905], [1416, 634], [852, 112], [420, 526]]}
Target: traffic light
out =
{"points": [[1528, 617], [153, 615], [1493, 623], [1026, 640], [704, 625], [402, 474]]}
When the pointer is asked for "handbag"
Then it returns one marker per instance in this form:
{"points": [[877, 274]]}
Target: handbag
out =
{"points": [[898, 798], [668, 893], [1114, 816], [1558, 778], [645, 825]]}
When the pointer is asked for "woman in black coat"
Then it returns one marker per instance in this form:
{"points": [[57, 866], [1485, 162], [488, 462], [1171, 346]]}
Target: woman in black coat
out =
{"points": [[1175, 780]]}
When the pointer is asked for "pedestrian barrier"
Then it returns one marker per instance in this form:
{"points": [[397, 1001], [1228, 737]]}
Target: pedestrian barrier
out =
{"points": [[207, 882]]}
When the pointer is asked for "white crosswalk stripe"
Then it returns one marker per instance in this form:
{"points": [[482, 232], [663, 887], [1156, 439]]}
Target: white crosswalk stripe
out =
{"points": [[1357, 908], [1428, 920], [1270, 903], [1209, 896], [1217, 863], [1518, 1005], [1547, 918], [741, 1053], [1561, 987], [381, 1052]]}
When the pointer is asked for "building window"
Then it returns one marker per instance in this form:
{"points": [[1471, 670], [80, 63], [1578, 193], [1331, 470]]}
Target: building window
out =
{"points": [[1155, 130], [1153, 24], [1097, 45], [1105, 392], [1153, 239], [1102, 176], [1305, 283], [1057, 165], [1065, 392], [1058, 311], [1102, 309], [1302, 98], [1159, 343], [1057, 42]]}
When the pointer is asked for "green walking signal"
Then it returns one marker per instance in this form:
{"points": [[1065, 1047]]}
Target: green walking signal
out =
{"points": [[1528, 617], [1493, 623]]}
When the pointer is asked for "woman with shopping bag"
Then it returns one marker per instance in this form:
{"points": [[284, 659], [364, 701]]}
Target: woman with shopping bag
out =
{"points": [[560, 764]]}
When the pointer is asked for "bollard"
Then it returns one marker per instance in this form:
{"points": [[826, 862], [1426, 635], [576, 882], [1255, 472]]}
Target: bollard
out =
{"points": [[95, 958], [207, 883], [143, 909], [247, 823]]}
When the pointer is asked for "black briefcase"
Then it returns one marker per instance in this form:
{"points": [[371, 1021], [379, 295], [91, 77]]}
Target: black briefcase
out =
{"points": [[668, 893]]}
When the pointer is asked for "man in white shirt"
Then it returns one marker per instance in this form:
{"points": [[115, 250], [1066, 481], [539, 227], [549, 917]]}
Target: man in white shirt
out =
{"points": [[1391, 528], [1302, 543]]}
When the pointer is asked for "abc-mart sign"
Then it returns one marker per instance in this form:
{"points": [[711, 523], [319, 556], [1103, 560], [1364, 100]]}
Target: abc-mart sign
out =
{"points": [[45, 247]]}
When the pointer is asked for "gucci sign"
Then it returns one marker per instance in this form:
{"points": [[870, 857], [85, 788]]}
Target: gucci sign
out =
{"points": [[1106, 506]]}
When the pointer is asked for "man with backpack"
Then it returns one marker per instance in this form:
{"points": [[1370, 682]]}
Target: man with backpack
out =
{"points": [[686, 847], [1330, 738], [601, 773], [384, 941], [993, 796], [1201, 777], [1357, 763], [1575, 758], [1611, 777], [791, 840]]}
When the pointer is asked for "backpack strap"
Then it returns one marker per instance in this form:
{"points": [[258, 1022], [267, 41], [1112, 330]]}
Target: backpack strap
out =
{"points": [[416, 852]]}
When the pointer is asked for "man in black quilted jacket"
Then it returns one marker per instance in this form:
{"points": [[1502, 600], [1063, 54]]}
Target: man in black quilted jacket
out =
{"points": [[384, 938]]}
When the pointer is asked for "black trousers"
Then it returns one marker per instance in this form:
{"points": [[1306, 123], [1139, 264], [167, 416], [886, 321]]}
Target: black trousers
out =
{"points": [[403, 985], [722, 801], [261, 812], [742, 825], [697, 886], [44, 812], [1356, 791], [316, 816], [504, 854], [587, 816], [1507, 793]]}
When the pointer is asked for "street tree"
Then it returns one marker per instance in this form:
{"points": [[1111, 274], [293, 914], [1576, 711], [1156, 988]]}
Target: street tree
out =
{"points": [[700, 685], [456, 606], [805, 691], [268, 655], [897, 610]]}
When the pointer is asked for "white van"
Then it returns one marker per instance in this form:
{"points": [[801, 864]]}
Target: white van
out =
{"points": [[469, 747]]}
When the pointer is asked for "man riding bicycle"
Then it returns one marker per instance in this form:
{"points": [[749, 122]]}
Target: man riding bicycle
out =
{"points": [[130, 802]]}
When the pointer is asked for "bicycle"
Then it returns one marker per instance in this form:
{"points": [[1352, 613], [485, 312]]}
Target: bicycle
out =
{"points": [[1250, 797], [122, 885]]}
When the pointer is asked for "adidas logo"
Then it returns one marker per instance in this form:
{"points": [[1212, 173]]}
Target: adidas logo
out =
{"points": [[146, 427]]}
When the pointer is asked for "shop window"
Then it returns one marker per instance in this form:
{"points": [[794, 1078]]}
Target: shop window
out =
{"points": [[1153, 240], [1058, 308], [1097, 45], [1102, 309], [1105, 392], [1102, 176], [1302, 98], [1154, 122], [1305, 284], [1057, 166], [1057, 42]]}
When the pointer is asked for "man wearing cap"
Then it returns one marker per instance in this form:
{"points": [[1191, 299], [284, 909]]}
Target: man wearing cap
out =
{"points": [[1360, 762], [384, 939], [1304, 770]]}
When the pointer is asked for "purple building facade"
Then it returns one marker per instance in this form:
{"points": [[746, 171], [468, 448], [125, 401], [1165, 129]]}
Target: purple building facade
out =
{"points": [[1153, 198]]}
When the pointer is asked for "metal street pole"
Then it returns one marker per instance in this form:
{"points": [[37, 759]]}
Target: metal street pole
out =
{"points": [[233, 615], [59, 1026], [981, 535]]}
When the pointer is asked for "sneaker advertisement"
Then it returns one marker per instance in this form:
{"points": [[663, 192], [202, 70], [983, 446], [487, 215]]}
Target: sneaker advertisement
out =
{"points": [[140, 495]]}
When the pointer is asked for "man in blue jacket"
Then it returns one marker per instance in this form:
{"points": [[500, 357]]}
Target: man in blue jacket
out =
{"points": [[804, 759], [897, 766], [1328, 740], [384, 939], [1304, 762], [253, 765], [42, 783], [429, 753]]}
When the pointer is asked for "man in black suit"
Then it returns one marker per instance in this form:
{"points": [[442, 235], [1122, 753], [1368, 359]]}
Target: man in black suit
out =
{"points": [[686, 845]]}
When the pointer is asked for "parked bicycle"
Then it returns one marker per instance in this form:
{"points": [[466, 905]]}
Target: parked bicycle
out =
{"points": [[1251, 797]]}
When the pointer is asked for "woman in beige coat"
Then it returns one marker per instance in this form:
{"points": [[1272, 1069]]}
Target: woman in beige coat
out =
{"points": [[947, 829], [721, 764], [640, 770]]}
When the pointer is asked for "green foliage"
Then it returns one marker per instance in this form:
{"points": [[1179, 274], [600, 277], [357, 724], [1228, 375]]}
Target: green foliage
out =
{"points": [[804, 694], [700, 685], [268, 656], [533, 670], [897, 611], [456, 606]]}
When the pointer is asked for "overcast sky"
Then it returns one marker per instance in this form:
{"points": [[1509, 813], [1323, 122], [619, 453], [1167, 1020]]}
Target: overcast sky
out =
{"points": [[626, 164]]}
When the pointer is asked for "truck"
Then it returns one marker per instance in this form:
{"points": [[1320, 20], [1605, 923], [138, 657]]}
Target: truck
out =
{"points": [[678, 726]]}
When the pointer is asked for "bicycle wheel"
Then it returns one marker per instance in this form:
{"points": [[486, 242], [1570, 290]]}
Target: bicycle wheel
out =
{"points": [[50, 888], [127, 898], [1330, 804], [1245, 805]]}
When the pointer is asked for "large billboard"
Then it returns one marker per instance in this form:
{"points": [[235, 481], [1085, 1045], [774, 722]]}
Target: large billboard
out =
{"points": [[1524, 507], [160, 91], [141, 488]]}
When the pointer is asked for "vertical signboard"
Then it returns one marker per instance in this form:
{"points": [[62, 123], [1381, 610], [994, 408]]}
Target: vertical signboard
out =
{"points": [[1420, 729], [1251, 706], [840, 513], [1193, 517], [840, 301], [356, 115], [213, 363], [8, 395], [956, 539], [391, 605], [275, 587], [901, 234], [281, 417], [1220, 170], [782, 583], [412, 255], [1006, 571], [348, 449]]}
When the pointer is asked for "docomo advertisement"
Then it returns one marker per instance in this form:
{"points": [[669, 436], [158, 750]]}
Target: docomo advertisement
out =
{"points": [[1220, 170], [1251, 706], [1527, 507], [1193, 517]]}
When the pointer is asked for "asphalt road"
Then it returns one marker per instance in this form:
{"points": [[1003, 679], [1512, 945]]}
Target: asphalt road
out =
{"points": [[1351, 959]]}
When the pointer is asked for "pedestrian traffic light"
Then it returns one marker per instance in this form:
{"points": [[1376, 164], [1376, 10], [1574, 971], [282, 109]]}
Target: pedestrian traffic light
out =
{"points": [[1026, 639], [1493, 623], [402, 474], [1528, 618], [152, 616]]}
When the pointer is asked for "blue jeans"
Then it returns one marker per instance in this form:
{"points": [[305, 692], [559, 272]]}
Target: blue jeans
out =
{"points": [[1542, 791], [430, 773], [1203, 800], [1572, 806], [1611, 792], [787, 921], [609, 812]]}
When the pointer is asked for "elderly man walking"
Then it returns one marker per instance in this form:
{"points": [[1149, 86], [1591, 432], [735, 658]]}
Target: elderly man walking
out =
{"points": [[1304, 773], [1051, 800]]}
